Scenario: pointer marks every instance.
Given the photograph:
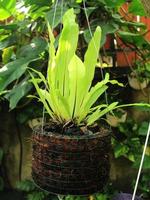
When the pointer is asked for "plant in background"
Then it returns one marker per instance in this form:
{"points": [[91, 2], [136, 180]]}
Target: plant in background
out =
{"points": [[144, 185], [129, 138], [143, 71], [31, 191]]}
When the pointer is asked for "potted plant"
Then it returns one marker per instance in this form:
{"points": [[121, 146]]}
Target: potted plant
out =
{"points": [[71, 151]]}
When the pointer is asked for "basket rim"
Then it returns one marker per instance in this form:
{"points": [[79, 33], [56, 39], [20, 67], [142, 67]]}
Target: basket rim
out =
{"points": [[104, 132]]}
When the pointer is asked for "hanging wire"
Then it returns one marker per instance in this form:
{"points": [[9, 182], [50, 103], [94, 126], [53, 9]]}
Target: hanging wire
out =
{"points": [[53, 23], [61, 12], [91, 34], [141, 163], [54, 16]]}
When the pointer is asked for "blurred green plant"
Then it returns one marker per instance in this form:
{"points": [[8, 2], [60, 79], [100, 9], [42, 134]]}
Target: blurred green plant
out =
{"points": [[129, 140], [31, 191], [144, 185]]}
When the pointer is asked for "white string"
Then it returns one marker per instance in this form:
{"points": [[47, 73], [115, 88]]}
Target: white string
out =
{"points": [[53, 22], [62, 9], [141, 163], [89, 27], [54, 16]]}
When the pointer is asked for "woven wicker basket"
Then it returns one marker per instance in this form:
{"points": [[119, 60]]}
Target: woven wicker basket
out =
{"points": [[76, 165], [146, 4]]}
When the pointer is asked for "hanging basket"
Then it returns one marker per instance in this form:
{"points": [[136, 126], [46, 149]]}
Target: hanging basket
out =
{"points": [[75, 165], [146, 4]]}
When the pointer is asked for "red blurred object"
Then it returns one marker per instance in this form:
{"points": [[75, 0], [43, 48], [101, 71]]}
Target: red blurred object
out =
{"points": [[146, 21]]}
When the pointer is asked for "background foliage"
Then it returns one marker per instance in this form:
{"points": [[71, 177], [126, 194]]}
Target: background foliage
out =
{"points": [[24, 43]]}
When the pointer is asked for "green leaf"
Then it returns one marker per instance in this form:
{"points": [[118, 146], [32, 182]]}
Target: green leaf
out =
{"points": [[26, 186], [37, 195], [135, 105], [120, 150], [146, 164], [40, 12], [7, 8], [101, 197], [136, 8], [66, 50], [11, 27], [31, 51], [38, 3], [99, 113], [41, 95], [93, 95], [133, 38], [7, 53], [76, 85], [9, 41], [12, 71], [19, 91], [114, 3], [79, 1], [90, 99], [91, 56], [143, 128]]}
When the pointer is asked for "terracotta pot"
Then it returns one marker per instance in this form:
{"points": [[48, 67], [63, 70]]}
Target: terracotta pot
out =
{"points": [[75, 165]]}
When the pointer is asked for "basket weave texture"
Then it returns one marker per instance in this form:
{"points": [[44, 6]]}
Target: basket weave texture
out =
{"points": [[71, 165]]}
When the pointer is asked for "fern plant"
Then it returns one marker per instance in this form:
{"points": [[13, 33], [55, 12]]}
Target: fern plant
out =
{"points": [[69, 94]]}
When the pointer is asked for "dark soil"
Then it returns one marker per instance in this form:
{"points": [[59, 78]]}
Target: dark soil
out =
{"points": [[70, 128]]}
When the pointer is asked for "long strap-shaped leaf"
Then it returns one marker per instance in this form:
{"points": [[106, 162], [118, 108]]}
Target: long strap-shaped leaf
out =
{"points": [[66, 50], [91, 99], [42, 96], [51, 63], [76, 84], [98, 113], [54, 100], [91, 56]]}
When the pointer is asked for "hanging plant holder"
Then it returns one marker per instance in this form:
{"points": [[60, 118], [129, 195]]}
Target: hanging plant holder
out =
{"points": [[69, 164]]}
